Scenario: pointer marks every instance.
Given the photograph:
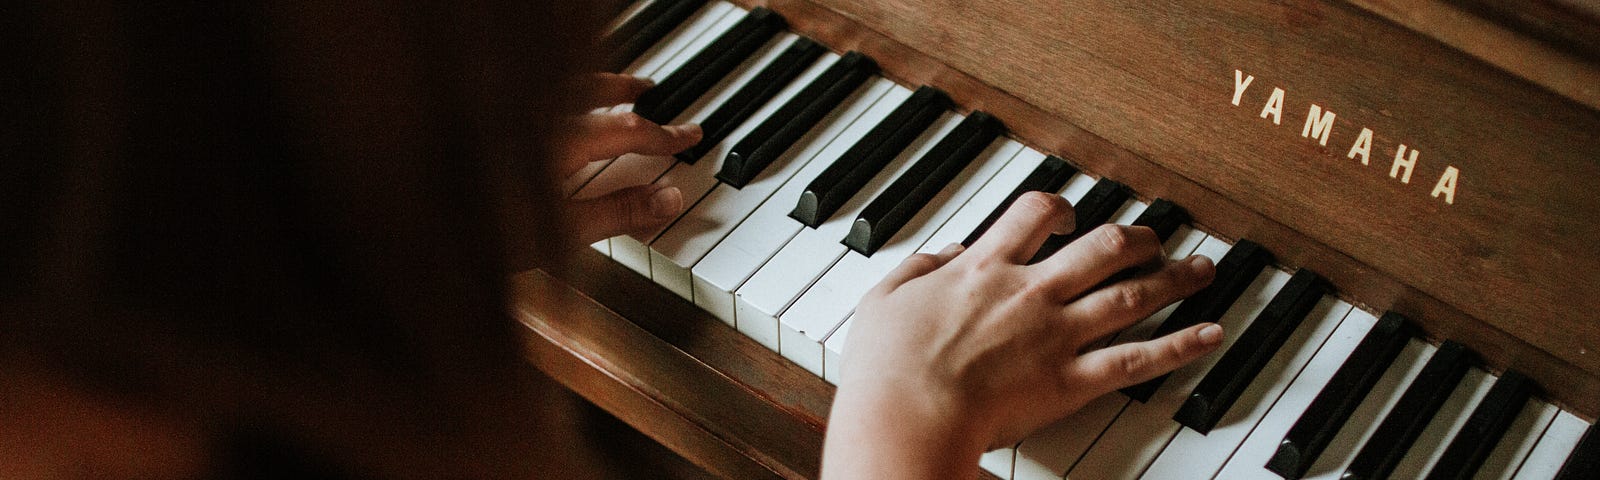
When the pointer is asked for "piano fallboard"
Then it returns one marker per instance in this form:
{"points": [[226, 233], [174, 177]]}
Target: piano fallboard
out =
{"points": [[1427, 159], [1144, 94]]}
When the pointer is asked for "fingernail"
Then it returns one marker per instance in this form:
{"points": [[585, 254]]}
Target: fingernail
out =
{"points": [[1201, 265], [952, 249], [1211, 335], [687, 131], [666, 202]]}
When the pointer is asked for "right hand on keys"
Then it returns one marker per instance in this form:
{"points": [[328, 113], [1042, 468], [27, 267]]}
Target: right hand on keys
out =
{"points": [[600, 136], [966, 350]]}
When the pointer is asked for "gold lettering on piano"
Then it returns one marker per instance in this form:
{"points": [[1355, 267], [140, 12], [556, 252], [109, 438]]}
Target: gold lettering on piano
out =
{"points": [[1319, 127], [1319, 124], [1401, 162], [1274, 107], [1363, 146], [1240, 82], [1447, 185]]}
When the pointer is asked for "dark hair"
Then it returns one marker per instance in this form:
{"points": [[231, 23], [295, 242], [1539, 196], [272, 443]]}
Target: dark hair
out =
{"points": [[289, 221]]}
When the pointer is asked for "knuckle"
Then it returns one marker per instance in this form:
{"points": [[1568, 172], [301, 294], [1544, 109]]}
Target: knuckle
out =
{"points": [[1133, 364], [1113, 239], [632, 121], [921, 261], [1121, 240], [1039, 289], [1129, 297], [1044, 203], [1176, 351]]}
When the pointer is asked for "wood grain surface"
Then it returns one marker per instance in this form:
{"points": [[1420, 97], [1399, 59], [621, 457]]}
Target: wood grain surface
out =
{"points": [[1143, 94], [673, 371]]}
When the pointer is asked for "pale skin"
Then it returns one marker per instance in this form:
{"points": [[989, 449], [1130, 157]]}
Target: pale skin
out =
{"points": [[959, 352]]}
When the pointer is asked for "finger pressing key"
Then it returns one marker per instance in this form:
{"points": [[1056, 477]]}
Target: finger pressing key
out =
{"points": [[600, 136], [915, 266], [1019, 232], [609, 89], [1128, 364], [1115, 307], [1103, 252]]}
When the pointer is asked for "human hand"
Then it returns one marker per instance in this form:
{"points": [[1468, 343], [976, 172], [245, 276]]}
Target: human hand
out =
{"points": [[604, 135], [959, 352]]}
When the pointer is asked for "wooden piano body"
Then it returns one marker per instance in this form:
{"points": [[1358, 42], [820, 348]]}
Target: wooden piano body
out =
{"points": [[1433, 158]]}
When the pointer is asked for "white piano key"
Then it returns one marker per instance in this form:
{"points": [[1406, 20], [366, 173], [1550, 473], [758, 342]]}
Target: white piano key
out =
{"points": [[1077, 187], [1250, 459], [1366, 418], [1518, 441], [1049, 452], [769, 227], [699, 30], [631, 170], [634, 170], [1195, 455], [1054, 450], [826, 303], [801, 350], [998, 462], [833, 349], [1184, 241], [699, 230], [1129, 212], [1145, 428], [813, 251], [986, 200], [1544, 462], [1451, 416], [697, 180]]}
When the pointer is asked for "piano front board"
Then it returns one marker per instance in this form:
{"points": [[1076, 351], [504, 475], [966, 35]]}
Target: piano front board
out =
{"points": [[1416, 176]]}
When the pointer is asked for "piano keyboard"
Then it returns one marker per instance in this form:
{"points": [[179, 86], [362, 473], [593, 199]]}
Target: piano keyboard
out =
{"points": [[818, 176]]}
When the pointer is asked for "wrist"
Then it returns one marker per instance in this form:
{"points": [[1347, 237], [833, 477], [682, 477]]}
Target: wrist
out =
{"points": [[885, 430]]}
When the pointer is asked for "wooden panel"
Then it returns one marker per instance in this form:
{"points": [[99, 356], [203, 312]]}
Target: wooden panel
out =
{"points": [[701, 413], [1145, 96], [1542, 41], [672, 371]]}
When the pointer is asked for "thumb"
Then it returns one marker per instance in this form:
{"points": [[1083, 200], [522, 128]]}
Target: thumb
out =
{"points": [[634, 210]]}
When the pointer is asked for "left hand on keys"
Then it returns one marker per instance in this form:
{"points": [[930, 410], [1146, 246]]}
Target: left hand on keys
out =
{"points": [[599, 136]]}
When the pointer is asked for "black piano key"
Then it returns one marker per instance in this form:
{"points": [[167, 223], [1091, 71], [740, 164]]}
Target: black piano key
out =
{"points": [[1222, 386], [778, 133], [622, 6], [1049, 176], [1164, 217], [1416, 408], [1235, 272], [1584, 463], [1094, 209], [696, 76], [647, 27], [888, 213], [1332, 407], [845, 176], [1484, 428], [744, 103]]}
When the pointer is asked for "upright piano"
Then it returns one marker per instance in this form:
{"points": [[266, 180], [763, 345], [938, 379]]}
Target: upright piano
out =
{"points": [[1400, 196]]}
